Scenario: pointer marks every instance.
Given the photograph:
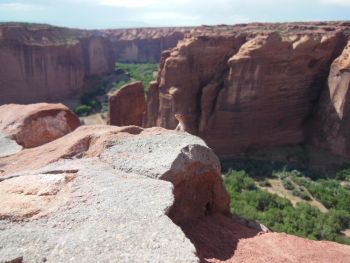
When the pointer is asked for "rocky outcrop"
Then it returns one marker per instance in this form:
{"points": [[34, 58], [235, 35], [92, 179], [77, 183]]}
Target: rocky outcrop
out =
{"points": [[331, 127], [127, 105], [152, 105], [93, 194], [35, 124], [114, 194], [245, 90], [198, 61]]}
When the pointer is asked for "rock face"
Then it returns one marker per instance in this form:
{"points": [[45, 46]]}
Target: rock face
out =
{"points": [[143, 44], [127, 105], [246, 90], [46, 63], [114, 194], [197, 61], [36, 124], [331, 128], [106, 203]]}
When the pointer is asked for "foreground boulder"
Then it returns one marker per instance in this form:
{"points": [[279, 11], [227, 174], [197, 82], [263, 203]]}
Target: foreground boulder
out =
{"points": [[127, 105], [36, 124], [92, 195]]}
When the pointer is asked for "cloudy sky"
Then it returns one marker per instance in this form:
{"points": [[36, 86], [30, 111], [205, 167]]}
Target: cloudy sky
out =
{"points": [[141, 13]]}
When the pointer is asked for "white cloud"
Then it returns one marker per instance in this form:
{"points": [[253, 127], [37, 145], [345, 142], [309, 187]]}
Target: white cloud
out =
{"points": [[161, 16], [128, 4], [139, 3], [20, 7], [336, 2]]}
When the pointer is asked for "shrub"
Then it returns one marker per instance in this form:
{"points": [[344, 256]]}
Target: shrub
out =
{"points": [[278, 213], [83, 110], [343, 175], [265, 183], [287, 184], [142, 71]]}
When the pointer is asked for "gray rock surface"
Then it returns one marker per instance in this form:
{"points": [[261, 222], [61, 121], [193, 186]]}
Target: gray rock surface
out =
{"points": [[8, 146], [111, 216], [116, 201]]}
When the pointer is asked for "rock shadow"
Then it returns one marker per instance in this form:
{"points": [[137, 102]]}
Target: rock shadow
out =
{"points": [[216, 237]]}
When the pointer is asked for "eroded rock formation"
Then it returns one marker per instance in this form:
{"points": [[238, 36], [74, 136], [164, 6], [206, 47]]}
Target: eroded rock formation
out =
{"points": [[46, 63], [331, 129], [248, 89], [36, 124], [96, 190], [127, 105]]}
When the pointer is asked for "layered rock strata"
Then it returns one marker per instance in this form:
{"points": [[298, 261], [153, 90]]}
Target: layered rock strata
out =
{"points": [[331, 127], [46, 63], [245, 91]]}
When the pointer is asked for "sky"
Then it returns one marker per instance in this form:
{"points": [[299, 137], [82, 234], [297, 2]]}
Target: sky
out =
{"points": [[98, 14]]}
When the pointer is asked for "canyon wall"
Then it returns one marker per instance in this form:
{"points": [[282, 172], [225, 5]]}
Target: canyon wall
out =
{"points": [[331, 126], [143, 44], [45, 63], [254, 86]]}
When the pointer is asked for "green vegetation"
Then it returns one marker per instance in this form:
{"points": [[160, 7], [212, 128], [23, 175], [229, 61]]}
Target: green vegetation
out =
{"points": [[96, 98], [288, 184], [89, 102], [328, 191], [343, 175], [248, 200], [139, 72], [83, 110]]}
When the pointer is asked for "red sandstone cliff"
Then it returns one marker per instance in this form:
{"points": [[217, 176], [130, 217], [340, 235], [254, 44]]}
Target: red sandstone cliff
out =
{"points": [[247, 86], [331, 128], [45, 63]]}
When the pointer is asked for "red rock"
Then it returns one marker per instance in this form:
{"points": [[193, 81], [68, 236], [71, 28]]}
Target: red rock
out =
{"points": [[238, 97], [269, 92], [127, 105], [44, 186], [183, 160], [331, 129], [221, 239], [46, 63], [190, 66], [152, 105], [36, 124]]}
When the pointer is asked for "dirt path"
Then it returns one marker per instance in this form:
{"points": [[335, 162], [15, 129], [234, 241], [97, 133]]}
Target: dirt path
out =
{"points": [[277, 188]]}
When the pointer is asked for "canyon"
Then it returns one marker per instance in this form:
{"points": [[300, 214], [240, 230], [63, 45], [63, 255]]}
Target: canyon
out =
{"points": [[46, 63], [137, 190], [240, 87]]}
